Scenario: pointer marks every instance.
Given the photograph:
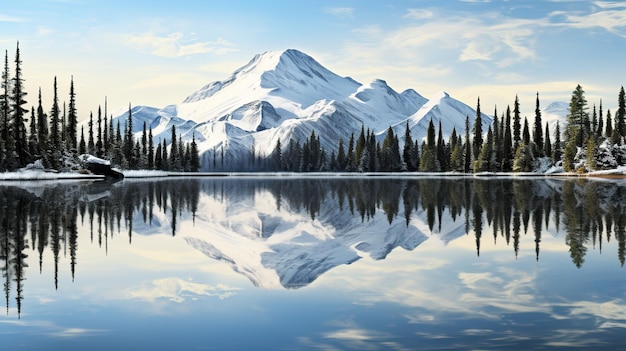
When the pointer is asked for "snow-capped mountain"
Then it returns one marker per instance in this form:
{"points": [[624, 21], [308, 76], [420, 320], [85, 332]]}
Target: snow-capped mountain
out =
{"points": [[555, 112], [286, 95]]}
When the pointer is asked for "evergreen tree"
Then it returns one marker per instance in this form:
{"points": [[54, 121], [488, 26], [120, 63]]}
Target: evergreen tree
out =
{"points": [[158, 161], [497, 140], [592, 154], [547, 151], [538, 130], [526, 132], [556, 149], [42, 126], [55, 120], [195, 157], [151, 150], [407, 151], [609, 125], [360, 145], [72, 119], [105, 132], [523, 158], [128, 144], [442, 152], [276, 157], [33, 141], [577, 117], [99, 144], [619, 131], [600, 128], [174, 160], [17, 108], [82, 147], [456, 153], [467, 164], [6, 144], [91, 146], [428, 162], [485, 161], [350, 154], [478, 133], [341, 156], [507, 143], [517, 124]]}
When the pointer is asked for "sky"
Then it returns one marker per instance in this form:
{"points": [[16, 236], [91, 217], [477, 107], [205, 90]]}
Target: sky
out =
{"points": [[158, 52]]}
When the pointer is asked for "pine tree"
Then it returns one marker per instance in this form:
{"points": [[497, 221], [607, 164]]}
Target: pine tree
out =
{"points": [[55, 120], [609, 125], [151, 149], [485, 160], [90, 143], [467, 164], [478, 133], [442, 152], [507, 144], [517, 124], [547, 151], [556, 149], [600, 128], [195, 157], [42, 126], [341, 156], [619, 131], [350, 154], [538, 130], [526, 133], [99, 144], [6, 144], [174, 161], [407, 151], [129, 142], [17, 100], [72, 119], [33, 142], [82, 147], [577, 117], [360, 145]]}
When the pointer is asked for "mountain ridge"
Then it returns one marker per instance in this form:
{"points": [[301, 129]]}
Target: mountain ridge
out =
{"points": [[286, 95]]}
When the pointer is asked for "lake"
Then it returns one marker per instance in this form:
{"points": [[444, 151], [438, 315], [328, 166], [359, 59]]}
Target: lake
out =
{"points": [[335, 263]]}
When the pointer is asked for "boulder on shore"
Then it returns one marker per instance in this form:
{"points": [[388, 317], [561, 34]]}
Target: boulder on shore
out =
{"points": [[99, 166]]}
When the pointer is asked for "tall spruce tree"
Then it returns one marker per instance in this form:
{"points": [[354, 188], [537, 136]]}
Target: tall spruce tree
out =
{"points": [[129, 142], [72, 119], [538, 129], [55, 120], [17, 108], [517, 124], [91, 146], [619, 129], [477, 142], [467, 164], [6, 144], [547, 151], [577, 117]]}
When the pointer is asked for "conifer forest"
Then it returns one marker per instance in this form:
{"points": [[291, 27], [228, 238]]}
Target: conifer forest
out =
{"points": [[590, 139]]}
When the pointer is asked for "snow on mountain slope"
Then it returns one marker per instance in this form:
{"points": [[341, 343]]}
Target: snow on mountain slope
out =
{"points": [[555, 112], [441, 107], [286, 95]]}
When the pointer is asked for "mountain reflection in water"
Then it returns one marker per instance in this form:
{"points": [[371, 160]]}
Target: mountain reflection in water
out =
{"points": [[285, 233]]}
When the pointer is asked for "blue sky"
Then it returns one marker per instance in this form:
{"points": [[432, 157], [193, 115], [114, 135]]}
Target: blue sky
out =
{"points": [[158, 52]]}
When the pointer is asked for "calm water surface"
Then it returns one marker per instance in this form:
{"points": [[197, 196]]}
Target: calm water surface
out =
{"points": [[313, 264]]}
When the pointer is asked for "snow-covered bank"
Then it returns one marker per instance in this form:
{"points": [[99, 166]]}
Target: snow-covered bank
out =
{"points": [[42, 175]]}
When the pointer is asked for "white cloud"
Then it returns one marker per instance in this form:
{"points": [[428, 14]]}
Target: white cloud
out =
{"points": [[173, 45], [340, 11], [177, 290], [613, 21], [418, 14], [4, 18]]}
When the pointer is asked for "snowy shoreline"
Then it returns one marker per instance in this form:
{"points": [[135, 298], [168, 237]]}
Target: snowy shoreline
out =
{"points": [[31, 175]]}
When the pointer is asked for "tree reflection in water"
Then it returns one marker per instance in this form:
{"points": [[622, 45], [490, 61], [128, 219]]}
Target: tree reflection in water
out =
{"points": [[37, 217]]}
